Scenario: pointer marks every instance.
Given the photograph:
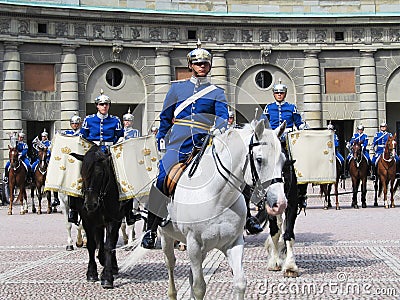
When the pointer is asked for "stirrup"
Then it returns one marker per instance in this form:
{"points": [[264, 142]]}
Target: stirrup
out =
{"points": [[149, 240], [164, 222]]}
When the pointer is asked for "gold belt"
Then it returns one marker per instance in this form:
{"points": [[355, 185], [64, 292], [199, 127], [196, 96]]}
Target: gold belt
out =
{"points": [[191, 123]]}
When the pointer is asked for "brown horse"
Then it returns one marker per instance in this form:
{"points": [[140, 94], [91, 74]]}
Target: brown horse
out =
{"points": [[17, 178], [39, 180], [386, 170], [358, 169], [327, 187]]}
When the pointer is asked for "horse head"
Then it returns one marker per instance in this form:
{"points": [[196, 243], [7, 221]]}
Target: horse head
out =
{"points": [[42, 156], [266, 165], [356, 151], [13, 157], [390, 147], [96, 174]]}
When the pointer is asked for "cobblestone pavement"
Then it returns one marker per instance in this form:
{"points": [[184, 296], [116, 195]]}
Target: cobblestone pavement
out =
{"points": [[344, 254]]}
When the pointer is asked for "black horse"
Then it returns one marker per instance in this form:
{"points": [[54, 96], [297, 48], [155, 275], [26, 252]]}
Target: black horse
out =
{"points": [[296, 196], [101, 213]]}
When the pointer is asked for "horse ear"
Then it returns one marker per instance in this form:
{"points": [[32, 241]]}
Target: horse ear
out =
{"points": [[281, 129], [259, 129], [77, 156]]}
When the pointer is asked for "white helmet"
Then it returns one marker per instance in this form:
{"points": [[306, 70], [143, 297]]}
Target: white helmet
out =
{"points": [[331, 127], [21, 134], [128, 116], [279, 87], [383, 124], [102, 98], [75, 119], [44, 133], [199, 55], [360, 127]]}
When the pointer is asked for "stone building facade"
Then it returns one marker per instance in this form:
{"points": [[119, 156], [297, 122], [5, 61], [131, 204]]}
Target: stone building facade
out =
{"points": [[339, 60]]}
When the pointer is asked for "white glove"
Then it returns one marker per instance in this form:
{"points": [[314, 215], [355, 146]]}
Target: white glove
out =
{"points": [[304, 126], [217, 131]]}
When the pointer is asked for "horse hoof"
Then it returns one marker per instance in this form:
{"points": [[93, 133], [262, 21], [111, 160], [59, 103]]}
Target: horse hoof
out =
{"points": [[392, 206], [22, 212], [375, 203], [364, 205], [55, 209], [34, 210], [326, 207], [337, 207], [290, 274], [9, 213], [79, 245], [387, 206], [69, 248], [107, 284], [39, 212], [49, 211], [92, 278], [274, 269]]}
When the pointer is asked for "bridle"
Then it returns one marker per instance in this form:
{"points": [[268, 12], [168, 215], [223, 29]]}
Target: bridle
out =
{"points": [[15, 162], [259, 187], [391, 151], [360, 156], [42, 166]]}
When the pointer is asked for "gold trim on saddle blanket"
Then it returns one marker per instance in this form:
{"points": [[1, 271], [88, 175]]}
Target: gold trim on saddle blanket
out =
{"points": [[191, 123]]}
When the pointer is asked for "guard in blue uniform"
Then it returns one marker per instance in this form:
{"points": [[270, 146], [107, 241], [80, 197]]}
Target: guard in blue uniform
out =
{"points": [[362, 138], [378, 144], [45, 142], [102, 128], [276, 113], [129, 131], [338, 155], [191, 109], [22, 149]]}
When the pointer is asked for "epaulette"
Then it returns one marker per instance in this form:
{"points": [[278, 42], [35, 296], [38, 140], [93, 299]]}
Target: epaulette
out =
{"points": [[90, 116], [115, 117]]}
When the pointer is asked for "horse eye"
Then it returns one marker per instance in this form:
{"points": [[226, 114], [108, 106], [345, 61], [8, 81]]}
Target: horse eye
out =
{"points": [[259, 160]]}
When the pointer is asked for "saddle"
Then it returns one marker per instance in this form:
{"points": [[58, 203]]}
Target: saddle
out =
{"points": [[175, 173]]}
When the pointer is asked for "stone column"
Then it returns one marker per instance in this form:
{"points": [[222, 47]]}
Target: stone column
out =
{"points": [[162, 80], [218, 71], [312, 89], [368, 93], [69, 85], [12, 106]]}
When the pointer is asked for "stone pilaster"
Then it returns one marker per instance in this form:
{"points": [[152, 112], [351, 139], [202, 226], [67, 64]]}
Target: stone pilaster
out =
{"points": [[368, 92], [12, 114], [68, 85], [312, 89], [162, 80], [218, 71]]}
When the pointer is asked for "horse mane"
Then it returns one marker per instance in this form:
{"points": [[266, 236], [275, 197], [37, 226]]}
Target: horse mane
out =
{"points": [[93, 155]]}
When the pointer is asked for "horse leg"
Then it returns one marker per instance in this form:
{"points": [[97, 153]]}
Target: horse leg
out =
{"points": [[81, 240], [124, 234], [329, 195], [33, 197], [167, 245], [235, 260], [110, 266], [376, 192], [21, 201], [337, 196], [49, 207], [11, 200], [385, 190], [289, 266], [271, 244], [356, 183], [68, 225], [91, 273], [364, 193], [392, 193], [196, 259]]}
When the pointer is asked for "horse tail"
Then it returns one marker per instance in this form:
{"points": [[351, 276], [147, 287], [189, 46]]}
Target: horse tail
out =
{"points": [[137, 253]]}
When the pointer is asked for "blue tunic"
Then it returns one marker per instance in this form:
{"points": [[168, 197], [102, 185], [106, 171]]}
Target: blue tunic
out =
{"points": [[338, 155], [130, 133], [99, 129], [379, 142], [277, 112], [47, 143], [191, 125], [72, 132], [22, 149], [363, 139]]}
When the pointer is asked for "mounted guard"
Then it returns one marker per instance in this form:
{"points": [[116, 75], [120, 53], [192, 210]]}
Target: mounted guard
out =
{"points": [[362, 138]]}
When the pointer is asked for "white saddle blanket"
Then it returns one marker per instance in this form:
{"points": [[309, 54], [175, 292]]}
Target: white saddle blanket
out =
{"points": [[314, 152], [135, 164], [64, 170]]}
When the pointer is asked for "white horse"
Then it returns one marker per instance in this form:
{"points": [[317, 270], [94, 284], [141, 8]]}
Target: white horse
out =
{"points": [[208, 210], [81, 235]]}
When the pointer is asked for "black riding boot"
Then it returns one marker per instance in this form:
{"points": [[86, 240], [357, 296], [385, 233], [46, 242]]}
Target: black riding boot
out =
{"points": [[72, 213], [252, 224], [342, 172], [130, 216], [302, 194], [373, 172], [157, 216], [346, 172], [397, 168]]}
